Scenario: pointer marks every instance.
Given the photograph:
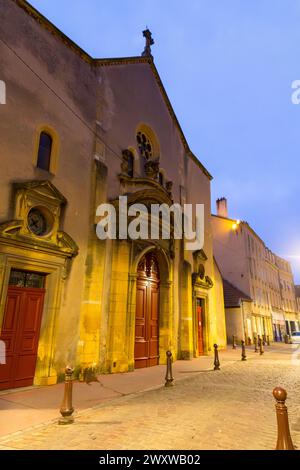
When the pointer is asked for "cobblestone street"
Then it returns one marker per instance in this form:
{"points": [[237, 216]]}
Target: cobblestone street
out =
{"points": [[228, 409]]}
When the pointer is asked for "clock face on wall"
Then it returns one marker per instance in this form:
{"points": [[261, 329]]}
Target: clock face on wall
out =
{"points": [[37, 222]]}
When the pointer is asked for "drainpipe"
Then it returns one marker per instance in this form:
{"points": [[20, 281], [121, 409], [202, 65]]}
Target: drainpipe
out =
{"points": [[281, 300], [271, 312], [243, 318]]}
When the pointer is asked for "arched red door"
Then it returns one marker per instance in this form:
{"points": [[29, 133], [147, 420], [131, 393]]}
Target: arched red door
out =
{"points": [[146, 351]]}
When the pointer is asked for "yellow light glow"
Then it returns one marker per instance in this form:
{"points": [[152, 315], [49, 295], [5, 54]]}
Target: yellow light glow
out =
{"points": [[234, 226], [238, 222]]}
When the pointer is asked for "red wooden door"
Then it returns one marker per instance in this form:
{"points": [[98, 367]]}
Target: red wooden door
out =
{"points": [[141, 352], [200, 328], [146, 351], [20, 332]]}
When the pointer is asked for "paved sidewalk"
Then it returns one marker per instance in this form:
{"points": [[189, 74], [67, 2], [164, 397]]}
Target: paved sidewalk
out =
{"points": [[31, 407]]}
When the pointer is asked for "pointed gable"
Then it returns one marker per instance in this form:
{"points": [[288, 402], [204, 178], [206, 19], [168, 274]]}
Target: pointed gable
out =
{"points": [[41, 188]]}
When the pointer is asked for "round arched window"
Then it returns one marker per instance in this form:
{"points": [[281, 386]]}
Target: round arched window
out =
{"points": [[144, 145], [44, 151]]}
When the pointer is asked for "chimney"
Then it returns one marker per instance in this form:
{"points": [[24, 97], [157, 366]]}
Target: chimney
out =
{"points": [[222, 207]]}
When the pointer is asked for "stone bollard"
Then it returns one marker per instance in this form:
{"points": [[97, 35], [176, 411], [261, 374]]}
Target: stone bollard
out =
{"points": [[284, 440], [260, 345], [268, 340], [169, 377], [244, 357], [66, 409], [216, 361], [255, 344], [233, 342]]}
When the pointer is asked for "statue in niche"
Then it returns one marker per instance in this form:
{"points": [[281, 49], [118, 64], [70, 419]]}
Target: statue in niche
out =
{"points": [[152, 168], [201, 271], [127, 162], [169, 187]]}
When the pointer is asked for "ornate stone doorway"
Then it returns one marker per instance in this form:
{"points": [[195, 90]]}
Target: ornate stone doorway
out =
{"points": [[32, 245], [146, 351]]}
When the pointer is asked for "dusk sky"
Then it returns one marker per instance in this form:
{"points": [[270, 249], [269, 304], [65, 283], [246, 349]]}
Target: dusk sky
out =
{"points": [[228, 67]]}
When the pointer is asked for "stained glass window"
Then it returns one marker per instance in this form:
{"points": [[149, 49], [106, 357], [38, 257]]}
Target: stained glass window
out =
{"points": [[144, 145]]}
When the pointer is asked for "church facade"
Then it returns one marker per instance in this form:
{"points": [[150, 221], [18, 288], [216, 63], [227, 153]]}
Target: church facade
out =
{"points": [[75, 133]]}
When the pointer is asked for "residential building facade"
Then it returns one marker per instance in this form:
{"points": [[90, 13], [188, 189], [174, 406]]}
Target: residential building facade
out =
{"points": [[288, 295], [297, 293], [238, 311], [260, 275]]}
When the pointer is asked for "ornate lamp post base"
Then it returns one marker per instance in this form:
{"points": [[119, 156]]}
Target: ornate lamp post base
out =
{"points": [[67, 408], [169, 379]]}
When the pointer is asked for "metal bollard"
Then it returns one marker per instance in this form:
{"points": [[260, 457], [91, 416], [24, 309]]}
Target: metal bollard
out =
{"points": [[264, 340], [216, 361], [255, 344], [261, 347], [233, 342], [284, 440], [244, 357], [268, 340], [66, 409], [169, 377]]}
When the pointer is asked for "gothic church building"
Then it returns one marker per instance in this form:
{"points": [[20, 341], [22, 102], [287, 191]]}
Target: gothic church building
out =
{"points": [[77, 132]]}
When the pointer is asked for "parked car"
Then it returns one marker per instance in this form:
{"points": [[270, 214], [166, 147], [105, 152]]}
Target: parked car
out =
{"points": [[295, 337]]}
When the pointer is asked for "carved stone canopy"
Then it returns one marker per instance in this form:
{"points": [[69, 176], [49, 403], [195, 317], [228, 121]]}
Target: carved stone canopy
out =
{"points": [[131, 185], [152, 193]]}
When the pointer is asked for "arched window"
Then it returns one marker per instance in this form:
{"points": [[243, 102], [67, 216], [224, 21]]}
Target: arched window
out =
{"points": [[144, 145], [44, 151]]}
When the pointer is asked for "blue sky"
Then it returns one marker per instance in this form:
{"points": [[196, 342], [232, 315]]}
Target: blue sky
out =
{"points": [[227, 66]]}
